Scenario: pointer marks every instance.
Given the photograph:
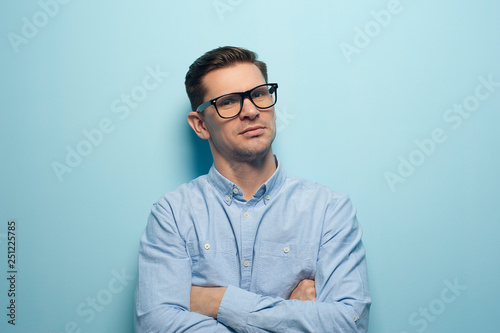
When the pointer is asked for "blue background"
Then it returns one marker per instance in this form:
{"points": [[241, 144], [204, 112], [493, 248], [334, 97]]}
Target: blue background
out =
{"points": [[362, 88]]}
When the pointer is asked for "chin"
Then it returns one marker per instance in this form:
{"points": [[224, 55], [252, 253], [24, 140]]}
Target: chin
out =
{"points": [[252, 154]]}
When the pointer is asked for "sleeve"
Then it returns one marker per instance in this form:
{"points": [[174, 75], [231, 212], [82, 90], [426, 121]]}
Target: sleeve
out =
{"points": [[162, 296], [343, 297]]}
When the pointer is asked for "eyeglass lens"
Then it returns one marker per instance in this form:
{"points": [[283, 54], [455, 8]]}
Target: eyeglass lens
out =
{"points": [[230, 105]]}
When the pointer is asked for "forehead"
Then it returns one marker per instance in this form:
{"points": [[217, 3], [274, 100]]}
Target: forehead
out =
{"points": [[235, 78]]}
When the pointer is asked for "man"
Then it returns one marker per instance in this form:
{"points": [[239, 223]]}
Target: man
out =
{"points": [[247, 247]]}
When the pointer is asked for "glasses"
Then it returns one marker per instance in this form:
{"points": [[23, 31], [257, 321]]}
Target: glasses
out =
{"points": [[230, 105]]}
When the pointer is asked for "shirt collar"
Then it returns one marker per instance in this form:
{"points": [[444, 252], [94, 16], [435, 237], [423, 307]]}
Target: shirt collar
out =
{"points": [[229, 190]]}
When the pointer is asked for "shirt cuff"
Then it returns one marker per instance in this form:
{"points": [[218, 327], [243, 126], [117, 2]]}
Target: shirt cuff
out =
{"points": [[235, 307]]}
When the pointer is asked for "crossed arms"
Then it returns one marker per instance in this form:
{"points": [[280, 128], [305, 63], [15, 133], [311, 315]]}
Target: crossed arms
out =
{"points": [[338, 299], [206, 300]]}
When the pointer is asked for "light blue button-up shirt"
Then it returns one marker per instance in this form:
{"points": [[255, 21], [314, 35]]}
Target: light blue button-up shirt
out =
{"points": [[206, 234]]}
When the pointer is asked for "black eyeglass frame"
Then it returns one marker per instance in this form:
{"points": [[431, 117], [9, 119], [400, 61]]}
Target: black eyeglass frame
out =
{"points": [[244, 94]]}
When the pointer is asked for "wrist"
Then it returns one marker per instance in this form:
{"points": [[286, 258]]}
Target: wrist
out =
{"points": [[206, 300], [216, 298]]}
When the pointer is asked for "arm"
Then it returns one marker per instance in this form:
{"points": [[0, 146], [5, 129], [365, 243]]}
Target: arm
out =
{"points": [[343, 300], [206, 300], [164, 281]]}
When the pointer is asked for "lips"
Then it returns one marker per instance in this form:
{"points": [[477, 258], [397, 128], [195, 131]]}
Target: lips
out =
{"points": [[252, 130]]}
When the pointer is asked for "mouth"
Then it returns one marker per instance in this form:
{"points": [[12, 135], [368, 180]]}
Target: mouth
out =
{"points": [[253, 131]]}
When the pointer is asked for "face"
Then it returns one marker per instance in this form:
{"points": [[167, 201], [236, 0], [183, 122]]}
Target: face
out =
{"points": [[248, 136]]}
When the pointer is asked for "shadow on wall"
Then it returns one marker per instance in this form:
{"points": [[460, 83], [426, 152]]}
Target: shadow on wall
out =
{"points": [[201, 156]]}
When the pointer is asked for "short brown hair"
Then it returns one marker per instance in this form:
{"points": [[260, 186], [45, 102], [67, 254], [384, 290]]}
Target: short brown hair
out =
{"points": [[217, 58]]}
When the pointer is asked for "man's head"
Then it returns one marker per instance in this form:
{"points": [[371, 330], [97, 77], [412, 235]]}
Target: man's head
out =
{"points": [[217, 58], [247, 136]]}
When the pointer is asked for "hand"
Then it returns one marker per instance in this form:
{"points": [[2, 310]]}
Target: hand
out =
{"points": [[206, 300], [305, 291]]}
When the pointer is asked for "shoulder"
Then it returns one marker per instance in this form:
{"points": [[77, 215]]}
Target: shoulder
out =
{"points": [[184, 193], [320, 202], [296, 184], [317, 197]]}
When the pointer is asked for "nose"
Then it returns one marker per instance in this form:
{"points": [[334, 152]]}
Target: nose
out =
{"points": [[248, 110]]}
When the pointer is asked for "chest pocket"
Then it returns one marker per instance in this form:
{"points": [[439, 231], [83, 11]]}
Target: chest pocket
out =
{"points": [[214, 262], [281, 266]]}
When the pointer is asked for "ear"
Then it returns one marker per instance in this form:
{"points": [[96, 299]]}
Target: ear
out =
{"points": [[197, 123]]}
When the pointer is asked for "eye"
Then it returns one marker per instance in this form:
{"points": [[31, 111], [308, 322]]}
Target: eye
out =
{"points": [[227, 101], [259, 92]]}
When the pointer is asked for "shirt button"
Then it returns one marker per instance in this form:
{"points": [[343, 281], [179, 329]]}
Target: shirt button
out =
{"points": [[207, 246], [235, 190], [246, 215], [286, 249], [267, 197], [228, 198], [246, 263]]}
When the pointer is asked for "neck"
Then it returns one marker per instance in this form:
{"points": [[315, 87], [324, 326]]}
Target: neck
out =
{"points": [[249, 175]]}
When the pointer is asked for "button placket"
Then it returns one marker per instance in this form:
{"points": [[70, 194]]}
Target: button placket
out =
{"points": [[246, 262], [248, 231]]}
